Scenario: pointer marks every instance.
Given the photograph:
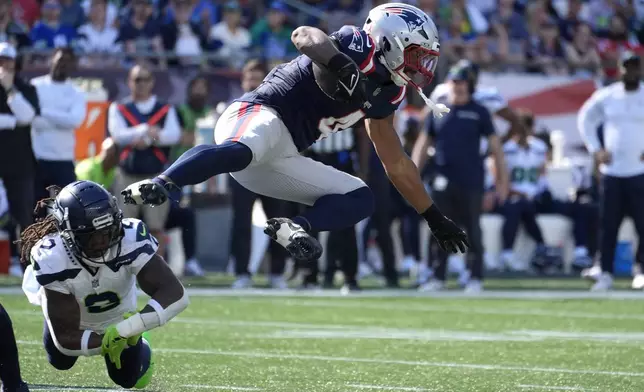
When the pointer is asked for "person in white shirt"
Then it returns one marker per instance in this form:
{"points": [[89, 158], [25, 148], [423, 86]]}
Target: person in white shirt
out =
{"points": [[144, 128], [62, 111], [96, 38], [233, 38], [620, 108]]}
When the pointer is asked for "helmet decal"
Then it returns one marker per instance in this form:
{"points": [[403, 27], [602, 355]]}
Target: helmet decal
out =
{"points": [[414, 21]]}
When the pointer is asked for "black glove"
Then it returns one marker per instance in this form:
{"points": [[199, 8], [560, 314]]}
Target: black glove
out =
{"points": [[449, 236], [351, 84]]}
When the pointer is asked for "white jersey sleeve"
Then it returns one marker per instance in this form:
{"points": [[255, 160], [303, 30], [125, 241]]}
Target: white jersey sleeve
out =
{"points": [[490, 98], [137, 247], [440, 93], [52, 266]]}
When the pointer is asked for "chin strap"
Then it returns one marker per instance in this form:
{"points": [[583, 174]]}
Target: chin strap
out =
{"points": [[438, 109]]}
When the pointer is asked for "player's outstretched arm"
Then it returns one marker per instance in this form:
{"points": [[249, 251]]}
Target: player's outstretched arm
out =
{"points": [[405, 176], [168, 299], [63, 319]]}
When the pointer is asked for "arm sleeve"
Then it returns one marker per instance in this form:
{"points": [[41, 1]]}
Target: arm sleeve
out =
{"points": [[358, 45], [590, 117], [7, 121], [171, 132], [21, 109], [67, 119], [487, 126], [118, 129]]}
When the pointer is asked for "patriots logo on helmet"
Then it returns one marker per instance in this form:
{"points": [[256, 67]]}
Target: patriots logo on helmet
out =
{"points": [[357, 43], [413, 20]]}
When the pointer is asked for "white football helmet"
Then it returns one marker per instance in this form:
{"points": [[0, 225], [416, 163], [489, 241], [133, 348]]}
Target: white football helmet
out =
{"points": [[407, 40]]}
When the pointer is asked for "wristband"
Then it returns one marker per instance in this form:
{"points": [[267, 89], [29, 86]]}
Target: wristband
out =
{"points": [[432, 214], [338, 61]]}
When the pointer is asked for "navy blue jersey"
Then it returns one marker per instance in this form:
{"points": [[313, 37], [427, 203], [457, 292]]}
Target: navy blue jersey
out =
{"points": [[307, 111]]}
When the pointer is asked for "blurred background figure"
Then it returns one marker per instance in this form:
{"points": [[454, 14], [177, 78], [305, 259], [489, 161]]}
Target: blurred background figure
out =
{"points": [[243, 200], [459, 180], [97, 39], [18, 103], [229, 38], [144, 128], [348, 151], [62, 110]]}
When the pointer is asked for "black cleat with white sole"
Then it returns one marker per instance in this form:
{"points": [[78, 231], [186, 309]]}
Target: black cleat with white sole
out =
{"points": [[146, 192], [300, 244]]}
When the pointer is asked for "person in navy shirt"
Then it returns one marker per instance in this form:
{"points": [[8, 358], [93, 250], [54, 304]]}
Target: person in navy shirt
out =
{"points": [[459, 174], [340, 79]]}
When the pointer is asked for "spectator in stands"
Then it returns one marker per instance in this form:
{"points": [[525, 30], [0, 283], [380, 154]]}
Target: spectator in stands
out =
{"points": [[514, 24], [18, 104], [581, 54], [229, 38], [472, 22], [25, 12], [111, 11], [97, 40], [568, 23], [144, 129], [71, 13], [340, 13], [62, 110], [546, 54], [49, 32], [10, 31], [140, 34], [431, 8], [271, 36], [455, 43], [600, 14], [618, 107], [458, 184], [618, 39], [242, 203], [195, 108], [184, 37]]}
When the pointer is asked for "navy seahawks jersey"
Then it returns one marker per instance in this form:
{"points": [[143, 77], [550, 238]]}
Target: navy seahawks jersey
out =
{"points": [[308, 113]]}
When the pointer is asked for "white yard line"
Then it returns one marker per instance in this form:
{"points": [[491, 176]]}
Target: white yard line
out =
{"points": [[546, 387], [59, 388], [386, 388], [224, 387], [473, 366]]}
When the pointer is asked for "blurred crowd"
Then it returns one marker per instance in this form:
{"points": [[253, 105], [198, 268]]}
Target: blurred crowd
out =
{"points": [[579, 37]]}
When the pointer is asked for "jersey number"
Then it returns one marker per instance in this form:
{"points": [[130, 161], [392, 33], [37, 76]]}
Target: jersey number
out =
{"points": [[99, 303], [48, 244], [520, 174], [331, 124]]}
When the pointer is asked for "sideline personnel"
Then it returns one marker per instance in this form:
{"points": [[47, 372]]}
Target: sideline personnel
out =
{"points": [[459, 181], [620, 108]]}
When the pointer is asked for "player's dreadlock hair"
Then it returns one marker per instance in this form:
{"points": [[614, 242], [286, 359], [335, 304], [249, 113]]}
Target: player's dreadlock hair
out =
{"points": [[45, 223]]}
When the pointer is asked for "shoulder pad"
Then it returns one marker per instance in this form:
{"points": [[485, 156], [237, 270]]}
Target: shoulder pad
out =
{"points": [[136, 232], [358, 45], [538, 144], [51, 262], [510, 145]]}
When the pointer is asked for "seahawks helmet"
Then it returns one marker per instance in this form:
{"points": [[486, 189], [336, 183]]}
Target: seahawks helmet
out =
{"points": [[407, 40], [89, 221]]}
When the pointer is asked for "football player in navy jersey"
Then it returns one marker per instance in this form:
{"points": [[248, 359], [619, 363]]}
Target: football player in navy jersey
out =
{"points": [[339, 79]]}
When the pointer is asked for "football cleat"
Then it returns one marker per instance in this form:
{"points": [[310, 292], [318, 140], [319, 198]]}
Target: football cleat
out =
{"points": [[300, 244], [145, 192]]}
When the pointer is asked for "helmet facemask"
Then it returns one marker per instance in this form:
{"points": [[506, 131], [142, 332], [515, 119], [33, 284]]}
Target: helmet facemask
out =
{"points": [[418, 66]]}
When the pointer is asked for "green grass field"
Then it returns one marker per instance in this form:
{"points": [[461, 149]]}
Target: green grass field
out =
{"points": [[359, 343]]}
